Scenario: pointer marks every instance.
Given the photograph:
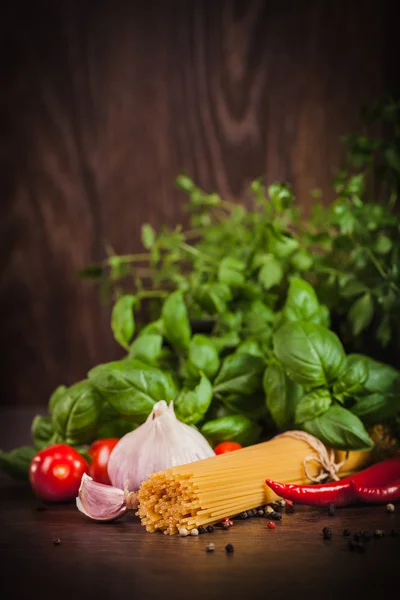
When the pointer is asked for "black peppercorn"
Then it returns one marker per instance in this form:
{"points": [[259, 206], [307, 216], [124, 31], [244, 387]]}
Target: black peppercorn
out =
{"points": [[346, 532], [331, 510], [210, 528], [260, 512], [276, 516], [56, 541], [243, 515], [326, 533], [202, 529], [229, 548], [252, 512], [275, 505]]}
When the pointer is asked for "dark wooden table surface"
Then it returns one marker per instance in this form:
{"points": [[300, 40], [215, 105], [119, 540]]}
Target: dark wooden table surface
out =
{"points": [[121, 560]]}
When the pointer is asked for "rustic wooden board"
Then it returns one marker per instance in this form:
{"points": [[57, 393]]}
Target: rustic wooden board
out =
{"points": [[103, 104]]}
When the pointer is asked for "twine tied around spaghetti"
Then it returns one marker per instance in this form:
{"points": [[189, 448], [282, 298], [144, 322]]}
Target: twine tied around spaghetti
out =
{"points": [[325, 458]]}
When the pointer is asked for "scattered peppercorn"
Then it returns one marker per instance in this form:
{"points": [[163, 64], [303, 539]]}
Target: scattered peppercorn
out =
{"points": [[243, 515], [326, 533], [282, 502], [183, 532], [252, 512], [274, 505], [230, 523], [271, 525], [366, 536], [390, 508], [202, 529], [260, 512], [268, 510], [56, 541], [40, 508], [226, 525], [261, 507], [346, 532], [276, 516], [194, 532], [331, 510], [394, 533], [378, 533], [210, 547], [229, 548], [210, 528], [289, 506]]}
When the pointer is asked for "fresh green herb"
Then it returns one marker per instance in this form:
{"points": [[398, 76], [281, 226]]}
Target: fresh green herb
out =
{"points": [[256, 316]]}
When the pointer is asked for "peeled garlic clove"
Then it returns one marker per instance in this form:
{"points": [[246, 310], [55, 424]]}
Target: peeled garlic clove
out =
{"points": [[100, 502]]}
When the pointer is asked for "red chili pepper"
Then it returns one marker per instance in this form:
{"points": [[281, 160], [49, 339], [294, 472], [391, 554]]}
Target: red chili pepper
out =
{"points": [[340, 493], [377, 494]]}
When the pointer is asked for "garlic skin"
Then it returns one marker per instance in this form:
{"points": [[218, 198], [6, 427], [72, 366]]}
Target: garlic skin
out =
{"points": [[100, 502], [160, 443]]}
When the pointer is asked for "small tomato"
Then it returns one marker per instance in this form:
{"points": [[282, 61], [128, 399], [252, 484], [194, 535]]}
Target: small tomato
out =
{"points": [[100, 452], [224, 447], [55, 473]]}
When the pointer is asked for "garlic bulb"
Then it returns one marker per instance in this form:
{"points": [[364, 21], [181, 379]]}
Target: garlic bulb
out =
{"points": [[161, 442]]}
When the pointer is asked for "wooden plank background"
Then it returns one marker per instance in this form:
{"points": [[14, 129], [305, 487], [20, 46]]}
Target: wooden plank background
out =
{"points": [[104, 103]]}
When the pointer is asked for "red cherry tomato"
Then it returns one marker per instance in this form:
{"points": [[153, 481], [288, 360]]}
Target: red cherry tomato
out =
{"points": [[100, 452], [55, 473], [224, 447]]}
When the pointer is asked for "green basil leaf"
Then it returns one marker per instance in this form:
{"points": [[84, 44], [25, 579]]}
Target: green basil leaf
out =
{"points": [[353, 287], [271, 273], [338, 428], [237, 428], [352, 380], [122, 320], [42, 430], [376, 408], [226, 341], [282, 395], [154, 328], [76, 417], [147, 348], [361, 313], [176, 321], [314, 404], [311, 354], [214, 297], [301, 303], [148, 236], [240, 374], [56, 397], [279, 244], [252, 406], [192, 405], [16, 462], [383, 244], [324, 316], [203, 356], [250, 346], [132, 387], [302, 260], [231, 271], [381, 377]]}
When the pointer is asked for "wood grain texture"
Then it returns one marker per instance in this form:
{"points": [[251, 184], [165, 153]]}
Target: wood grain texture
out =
{"points": [[104, 103], [120, 560]]}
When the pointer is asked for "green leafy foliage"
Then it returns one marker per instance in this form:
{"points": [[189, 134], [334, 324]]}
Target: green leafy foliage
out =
{"points": [[252, 320]]}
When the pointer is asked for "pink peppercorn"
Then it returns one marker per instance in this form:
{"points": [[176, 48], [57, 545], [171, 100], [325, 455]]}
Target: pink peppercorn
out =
{"points": [[271, 525]]}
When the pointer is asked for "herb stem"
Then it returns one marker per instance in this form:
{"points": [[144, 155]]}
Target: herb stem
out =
{"points": [[128, 258], [195, 252]]}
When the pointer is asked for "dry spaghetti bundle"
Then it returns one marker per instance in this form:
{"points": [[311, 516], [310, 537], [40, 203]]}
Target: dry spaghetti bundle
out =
{"points": [[206, 491]]}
